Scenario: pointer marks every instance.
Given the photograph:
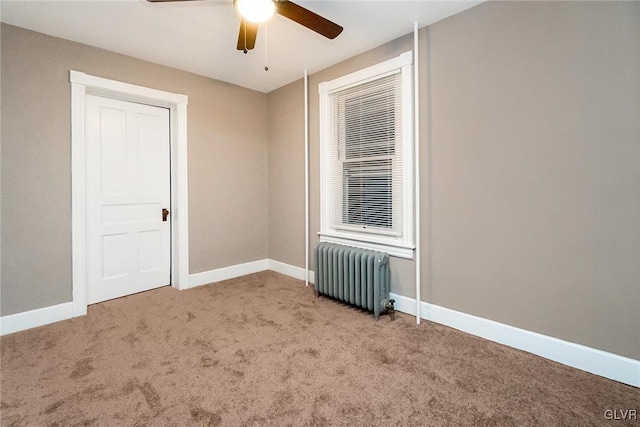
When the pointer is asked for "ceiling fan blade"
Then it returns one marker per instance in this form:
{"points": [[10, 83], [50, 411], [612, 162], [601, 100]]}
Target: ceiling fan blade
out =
{"points": [[247, 35], [309, 19]]}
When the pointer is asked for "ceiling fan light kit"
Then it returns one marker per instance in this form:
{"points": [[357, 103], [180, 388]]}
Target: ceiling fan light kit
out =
{"points": [[256, 10]]}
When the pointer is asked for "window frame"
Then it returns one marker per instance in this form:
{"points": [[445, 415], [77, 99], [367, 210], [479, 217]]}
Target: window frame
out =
{"points": [[401, 246]]}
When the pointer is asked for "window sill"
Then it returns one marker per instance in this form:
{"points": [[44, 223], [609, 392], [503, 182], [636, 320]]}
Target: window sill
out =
{"points": [[399, 250], [369, 230]]}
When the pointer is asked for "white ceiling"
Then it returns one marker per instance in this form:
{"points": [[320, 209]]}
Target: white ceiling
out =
{"points": [[201, 36]]}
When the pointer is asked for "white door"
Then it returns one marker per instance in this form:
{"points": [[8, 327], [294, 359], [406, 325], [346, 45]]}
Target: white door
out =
{"points": [[128, 186]]}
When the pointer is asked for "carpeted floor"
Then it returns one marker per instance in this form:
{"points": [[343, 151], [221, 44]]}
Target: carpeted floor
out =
{"points": [[262, 350]]}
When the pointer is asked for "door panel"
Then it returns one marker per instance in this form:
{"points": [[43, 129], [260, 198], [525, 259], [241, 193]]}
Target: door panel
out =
{"points": [[128, 185]]}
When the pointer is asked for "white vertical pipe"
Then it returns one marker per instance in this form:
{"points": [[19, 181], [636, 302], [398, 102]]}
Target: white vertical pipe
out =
{"points": [[306, 178], [416, 136]]}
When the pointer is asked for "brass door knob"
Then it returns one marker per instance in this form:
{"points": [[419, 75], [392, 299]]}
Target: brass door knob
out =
{"points": [[165, 214]]}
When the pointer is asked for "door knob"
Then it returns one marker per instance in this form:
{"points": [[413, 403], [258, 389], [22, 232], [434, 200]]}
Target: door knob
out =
{"points": [[165, 214]]}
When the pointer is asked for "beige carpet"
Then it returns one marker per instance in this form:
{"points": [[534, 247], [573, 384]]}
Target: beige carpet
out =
{"points": [[262, 350]]}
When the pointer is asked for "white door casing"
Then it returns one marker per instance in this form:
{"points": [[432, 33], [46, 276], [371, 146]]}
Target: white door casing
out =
{"points": [[128, 187], [81, 86]]}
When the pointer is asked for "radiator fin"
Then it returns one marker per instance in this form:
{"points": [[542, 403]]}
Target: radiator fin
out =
{"points": [[356, 276]]}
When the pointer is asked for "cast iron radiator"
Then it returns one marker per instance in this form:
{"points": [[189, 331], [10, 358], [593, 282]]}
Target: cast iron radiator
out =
{"points": [[356, 276]]}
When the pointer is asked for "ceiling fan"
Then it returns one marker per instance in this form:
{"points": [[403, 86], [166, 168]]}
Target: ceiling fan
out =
{"points": [[253, 12]]}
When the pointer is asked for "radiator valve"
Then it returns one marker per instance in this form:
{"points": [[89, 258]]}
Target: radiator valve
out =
{"points": [[387, 305]]}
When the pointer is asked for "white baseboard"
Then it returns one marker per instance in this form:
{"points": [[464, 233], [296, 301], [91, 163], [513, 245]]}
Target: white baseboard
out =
{"points": [[602, 363], [608, 365], [605, 364], [226, 273], [289, 270], [34, 318], [43, 316], [234, 271]]}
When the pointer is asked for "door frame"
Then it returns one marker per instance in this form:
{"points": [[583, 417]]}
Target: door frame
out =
{"points": [[81, 85]]}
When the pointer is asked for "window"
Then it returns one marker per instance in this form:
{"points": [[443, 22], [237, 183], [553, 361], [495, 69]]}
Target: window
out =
{"points": [[366, 144]]}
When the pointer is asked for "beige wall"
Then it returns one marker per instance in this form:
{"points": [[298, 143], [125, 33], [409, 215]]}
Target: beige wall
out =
{"points": [[530, 167], [286, 174], [227, 161], [535, 177], [531, 196]]}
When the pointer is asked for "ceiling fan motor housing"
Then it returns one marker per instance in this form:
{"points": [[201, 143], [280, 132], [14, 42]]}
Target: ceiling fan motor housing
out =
{"points": [[253, 12]]}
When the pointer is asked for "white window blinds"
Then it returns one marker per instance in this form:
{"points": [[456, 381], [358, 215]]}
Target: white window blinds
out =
{"points": [[367, 174]]}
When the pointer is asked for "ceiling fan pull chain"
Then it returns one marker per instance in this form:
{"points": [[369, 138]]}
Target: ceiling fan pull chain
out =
{"points": [[244, 24], [266, 49]]}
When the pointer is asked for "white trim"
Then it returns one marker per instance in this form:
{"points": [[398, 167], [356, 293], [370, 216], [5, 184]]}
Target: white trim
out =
{"points": [[372, 72], [180, 200], [306, 177], [226, 273], [126, 91], [401, 246], [605, 364], [34, 318], [83, 84], [290, 270], [233, 271], [416, 169], [78, 200], [408, 155], [367, 243]]}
